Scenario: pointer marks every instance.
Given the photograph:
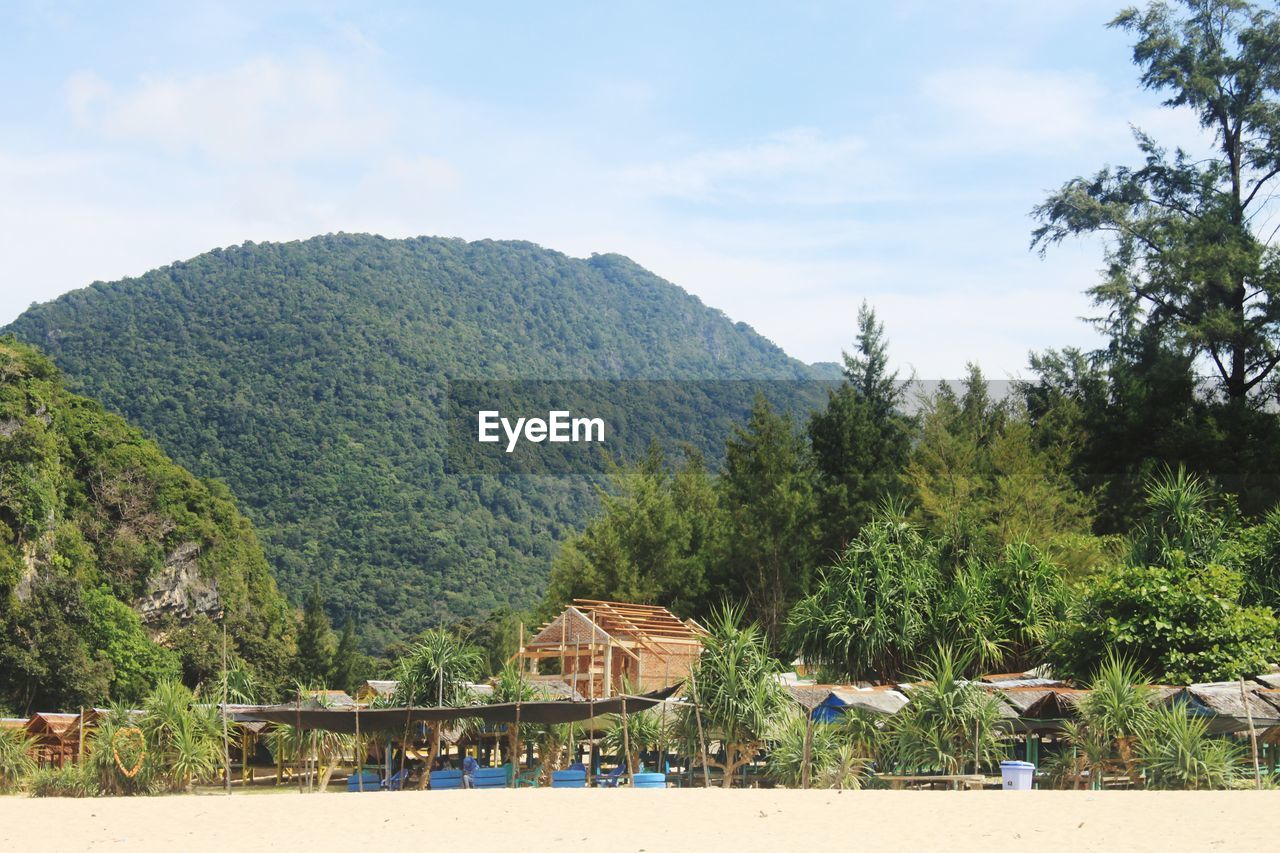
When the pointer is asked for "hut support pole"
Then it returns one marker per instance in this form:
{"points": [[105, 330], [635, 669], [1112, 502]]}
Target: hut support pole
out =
{"points": [[80, 740], [626, 744], [702, 740], [226, 745], [808, 749], [404, 745], [1253, 736], [297, 739], [359, 754]]}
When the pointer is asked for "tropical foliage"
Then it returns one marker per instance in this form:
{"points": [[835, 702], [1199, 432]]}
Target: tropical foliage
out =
{"points": [[839, 754], [1177, 752], [738, 697], [1111, 719], [16, 763], [950, 724]]}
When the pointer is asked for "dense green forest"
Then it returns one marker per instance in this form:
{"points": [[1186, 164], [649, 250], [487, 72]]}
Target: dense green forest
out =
{"points": [[1121, 504], [982, 543], [117, 566], [313, 378]]}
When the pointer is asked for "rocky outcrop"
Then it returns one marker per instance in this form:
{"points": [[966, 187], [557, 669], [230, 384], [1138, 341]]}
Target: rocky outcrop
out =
{"points": [[179, 589]]}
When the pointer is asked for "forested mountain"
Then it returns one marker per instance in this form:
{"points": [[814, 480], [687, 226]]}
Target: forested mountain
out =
{"points": [[312, 378], [115, 563]]}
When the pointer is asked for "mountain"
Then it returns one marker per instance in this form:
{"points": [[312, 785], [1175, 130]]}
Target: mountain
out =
{"points": [[314, 377], [115, 562]]}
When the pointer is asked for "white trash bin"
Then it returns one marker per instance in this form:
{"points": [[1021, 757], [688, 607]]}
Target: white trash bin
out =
{"points": [[1017, 775]]}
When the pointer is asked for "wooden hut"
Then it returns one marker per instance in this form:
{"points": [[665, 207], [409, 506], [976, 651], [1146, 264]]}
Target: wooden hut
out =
{"points": [[603, 645], [55, 737], [375, 689]]}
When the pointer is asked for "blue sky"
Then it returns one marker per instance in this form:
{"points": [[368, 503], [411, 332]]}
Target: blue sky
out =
{"points": [[783, 161]]}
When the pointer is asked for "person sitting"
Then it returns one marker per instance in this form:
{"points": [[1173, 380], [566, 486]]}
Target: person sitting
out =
{"points": [[469, 767]]}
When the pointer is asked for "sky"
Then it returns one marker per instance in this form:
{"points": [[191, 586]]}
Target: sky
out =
{"points": [[781, 161]]}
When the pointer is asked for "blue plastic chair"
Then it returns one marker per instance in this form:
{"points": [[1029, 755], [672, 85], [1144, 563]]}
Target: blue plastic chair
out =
{"points": [[446, 780], [569, 779], [490, 777], [372, 782], [396, 782], [612, 778], [649, 780]]}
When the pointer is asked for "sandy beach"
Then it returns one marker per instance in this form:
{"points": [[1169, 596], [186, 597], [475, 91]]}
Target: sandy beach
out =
{"points": [[546, 820]]}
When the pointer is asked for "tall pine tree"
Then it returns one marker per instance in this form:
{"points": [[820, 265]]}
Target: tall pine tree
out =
{"points": [[770, 511], [315, 641], [861, 440]]}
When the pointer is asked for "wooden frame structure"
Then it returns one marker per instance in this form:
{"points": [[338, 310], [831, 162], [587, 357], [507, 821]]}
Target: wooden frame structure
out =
{"points": [[56, 739], [605, 647]]}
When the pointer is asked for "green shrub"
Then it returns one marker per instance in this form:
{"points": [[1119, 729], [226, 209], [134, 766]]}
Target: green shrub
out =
{"points": [[838, 758], [70, 780], [16, 763], [1178, 753]]}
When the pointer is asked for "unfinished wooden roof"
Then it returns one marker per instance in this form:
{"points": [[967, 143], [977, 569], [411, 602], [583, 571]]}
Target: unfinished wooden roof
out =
{"points": [[626, 621], [603, 622]]}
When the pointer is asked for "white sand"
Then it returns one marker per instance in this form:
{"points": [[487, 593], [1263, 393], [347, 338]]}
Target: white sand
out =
{"points": [[609, 821]]}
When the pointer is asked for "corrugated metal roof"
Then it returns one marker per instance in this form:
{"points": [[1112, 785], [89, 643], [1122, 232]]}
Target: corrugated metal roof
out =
{"points": [[882, 701]]}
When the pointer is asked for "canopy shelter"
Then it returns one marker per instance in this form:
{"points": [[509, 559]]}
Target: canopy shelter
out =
{"points": [[395, 719]]}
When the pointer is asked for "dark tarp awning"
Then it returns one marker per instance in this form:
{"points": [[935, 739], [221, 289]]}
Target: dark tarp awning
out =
{"points": [[395, 719]]}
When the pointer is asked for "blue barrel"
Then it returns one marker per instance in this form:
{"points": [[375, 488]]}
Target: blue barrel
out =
{"points": [[650, 780]]}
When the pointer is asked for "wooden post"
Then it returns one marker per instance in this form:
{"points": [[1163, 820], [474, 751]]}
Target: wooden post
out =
{"points": [[608, 669], [808, 750], [80, 743], [662, 738], [515, 737], [297, 737], [359, 754], [702, 739], [626, 744], [1253, 737], [404, 744], [226, 746]]}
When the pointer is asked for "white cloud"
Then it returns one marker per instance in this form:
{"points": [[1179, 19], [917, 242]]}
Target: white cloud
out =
{"points": [[1006, 109], [795, 165], [262, 110]]}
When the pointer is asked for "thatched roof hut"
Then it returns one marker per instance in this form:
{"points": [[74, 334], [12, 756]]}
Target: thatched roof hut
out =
{"points": [[56, 737]]}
